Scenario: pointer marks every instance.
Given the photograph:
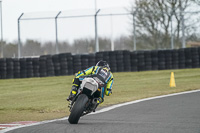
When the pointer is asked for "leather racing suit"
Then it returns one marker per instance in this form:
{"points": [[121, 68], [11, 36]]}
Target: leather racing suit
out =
{"points": [[102, 73]]}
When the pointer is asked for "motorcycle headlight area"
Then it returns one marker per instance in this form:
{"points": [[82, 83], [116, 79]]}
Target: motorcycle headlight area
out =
{"points": [[89, 84]]}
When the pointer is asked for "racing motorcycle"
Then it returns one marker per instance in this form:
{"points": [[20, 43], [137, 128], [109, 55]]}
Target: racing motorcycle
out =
{"points": [[86, 99]]}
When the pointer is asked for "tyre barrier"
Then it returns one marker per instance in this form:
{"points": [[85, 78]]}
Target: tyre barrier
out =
{"points": [[36, 67], [77, 63], [113, 61], [65, 63], [127, 61], [56, 64], [23, 68], [91, 60], [9, 68], [119, 61], [141, 61], [16, 68], [70, 64], [84, 62], [154, 59], [175, 59], [29, 67], [98, 56], [43, 66], [147, 60], [134, 61], [3, 69]]}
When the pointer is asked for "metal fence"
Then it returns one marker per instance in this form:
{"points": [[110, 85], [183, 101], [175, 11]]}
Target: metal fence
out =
{"points": [[108, 23]]}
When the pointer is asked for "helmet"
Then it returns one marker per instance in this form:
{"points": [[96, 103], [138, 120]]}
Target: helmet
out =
{"points": [[103, 64]]}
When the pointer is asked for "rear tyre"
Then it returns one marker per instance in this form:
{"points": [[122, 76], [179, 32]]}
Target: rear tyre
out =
{"points": [[78, 109]]}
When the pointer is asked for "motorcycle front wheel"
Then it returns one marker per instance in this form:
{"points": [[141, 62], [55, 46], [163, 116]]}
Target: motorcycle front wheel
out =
{"points": [[78, 109]]}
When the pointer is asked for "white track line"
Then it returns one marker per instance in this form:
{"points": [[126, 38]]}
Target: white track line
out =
{"points": [[100, 111]]}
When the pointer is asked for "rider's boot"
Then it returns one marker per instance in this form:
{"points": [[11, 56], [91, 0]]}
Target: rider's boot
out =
{"points": [[72, 93]]}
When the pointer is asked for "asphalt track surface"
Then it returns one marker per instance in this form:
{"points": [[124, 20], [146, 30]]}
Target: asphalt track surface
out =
{"points": [[173, 114]]}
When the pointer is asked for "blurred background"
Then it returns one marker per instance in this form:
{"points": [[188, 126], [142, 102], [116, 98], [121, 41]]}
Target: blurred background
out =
{"points": [[128, 25]]}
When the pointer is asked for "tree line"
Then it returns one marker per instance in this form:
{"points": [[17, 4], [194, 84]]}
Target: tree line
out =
{"points": [[81, 46]]}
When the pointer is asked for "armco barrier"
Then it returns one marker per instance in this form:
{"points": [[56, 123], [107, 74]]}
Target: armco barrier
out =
{"points": [[120, 61]]}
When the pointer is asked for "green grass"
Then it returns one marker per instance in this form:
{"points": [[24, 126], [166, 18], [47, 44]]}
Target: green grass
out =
{"points": [[39, 99]]}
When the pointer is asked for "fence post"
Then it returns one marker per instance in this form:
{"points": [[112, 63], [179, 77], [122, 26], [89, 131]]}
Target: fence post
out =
{"points": [[19, 41], [96, 33], [134, 29], [172, 35], [134, 33], [57, 51], [2, 45], [112, 41], [183, 25]]}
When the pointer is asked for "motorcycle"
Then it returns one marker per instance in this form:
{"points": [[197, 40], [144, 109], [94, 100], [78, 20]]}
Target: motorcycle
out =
{"points": [[86, 99]]}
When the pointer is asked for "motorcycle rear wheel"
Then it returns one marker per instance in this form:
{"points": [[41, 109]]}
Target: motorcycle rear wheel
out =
{"points": [[78, 109]]}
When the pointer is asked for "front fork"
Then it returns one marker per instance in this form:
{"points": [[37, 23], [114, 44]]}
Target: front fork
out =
{"points": [[91, 104], [71, 103]]}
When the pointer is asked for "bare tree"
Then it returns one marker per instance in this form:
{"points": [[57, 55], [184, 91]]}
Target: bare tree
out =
{"points": [[10, 50], [153, 20], [32, 48]]}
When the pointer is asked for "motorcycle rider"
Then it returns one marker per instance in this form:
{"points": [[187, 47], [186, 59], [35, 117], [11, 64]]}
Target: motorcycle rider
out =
{"points": [[102, 72]]}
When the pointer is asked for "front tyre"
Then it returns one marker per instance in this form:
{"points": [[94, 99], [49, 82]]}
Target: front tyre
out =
{"points": [[78, 109]]}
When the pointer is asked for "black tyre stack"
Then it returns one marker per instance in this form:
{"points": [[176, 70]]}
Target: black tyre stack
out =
{"points": [[113, 61], [181, 56], [99, 56], [91, 60], [199, 55], [119, 59], [63, 64], [141, 60], [16, 68], [10, 68], [154, 59], [77, 63], [43, 64], [147, 60], [134, 61], [56, 63], [175, 59], [127, 61], [168, 59], [188, 58], [195, 57], [23, 68], [50, 66], [36, 67], [161, 60], [70, 64], [3, 68], [106, 56], [29, 66], [84, 62]]}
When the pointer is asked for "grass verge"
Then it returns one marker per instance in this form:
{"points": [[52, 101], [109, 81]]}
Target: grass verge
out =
{"points": [[37, 99]]}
